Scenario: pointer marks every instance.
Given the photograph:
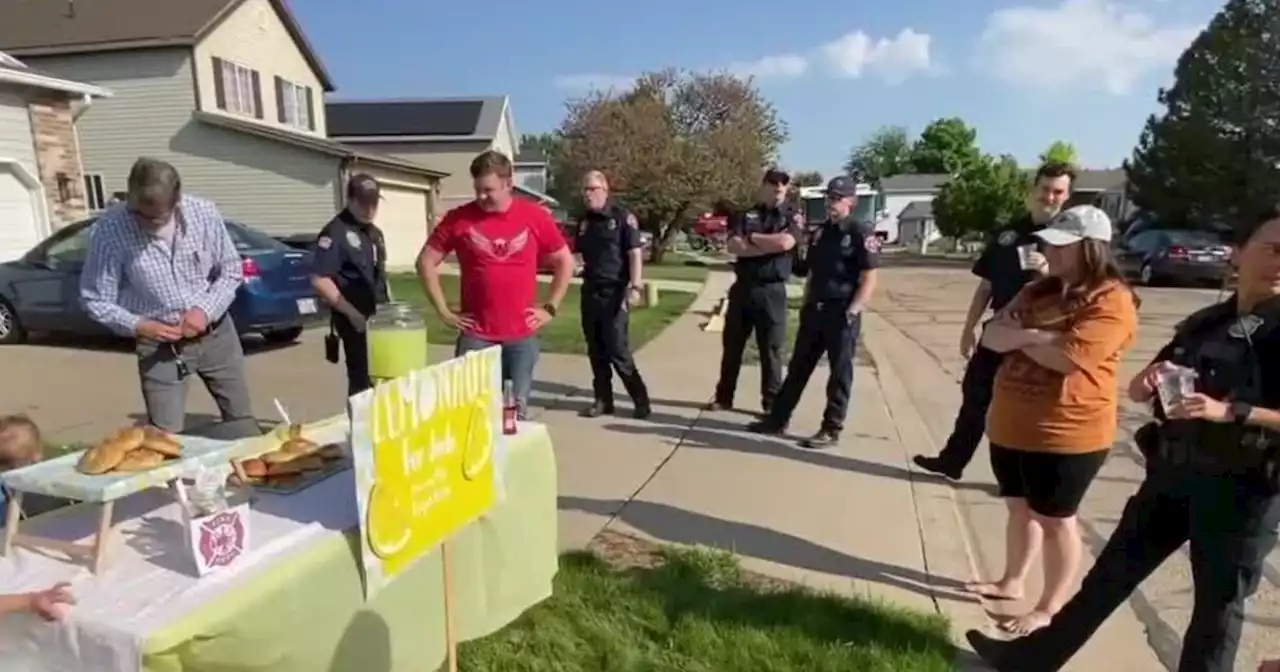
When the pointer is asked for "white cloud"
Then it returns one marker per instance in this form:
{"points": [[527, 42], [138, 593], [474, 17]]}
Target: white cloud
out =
{"points": [[589, 81], [1097, 44], [854, 54], [895, 59]]}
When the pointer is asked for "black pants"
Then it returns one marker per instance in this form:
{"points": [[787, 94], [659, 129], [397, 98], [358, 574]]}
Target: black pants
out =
{"points": [[605, 320], [762, 308], [825, 329], [971, 422], [1231, 524], [355, 354]]}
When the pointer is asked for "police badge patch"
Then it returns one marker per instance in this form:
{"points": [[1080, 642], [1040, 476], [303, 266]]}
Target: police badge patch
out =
{"points": [[1007, 237], [846, 241], [1245, 326], [752, 216], [353, 239]]}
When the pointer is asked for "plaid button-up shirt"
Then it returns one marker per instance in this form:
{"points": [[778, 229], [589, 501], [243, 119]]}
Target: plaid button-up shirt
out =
{"points": [[132, 275]]}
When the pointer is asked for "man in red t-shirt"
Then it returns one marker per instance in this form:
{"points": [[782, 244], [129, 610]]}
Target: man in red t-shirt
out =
{"points": [[499, 241]]}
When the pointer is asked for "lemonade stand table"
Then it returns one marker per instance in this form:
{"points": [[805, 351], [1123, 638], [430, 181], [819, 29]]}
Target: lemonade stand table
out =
{"points": [[298, 604]]}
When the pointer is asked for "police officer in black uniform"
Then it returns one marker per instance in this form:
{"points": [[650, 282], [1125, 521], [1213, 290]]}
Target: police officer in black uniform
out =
{"points": [[350, 275], [1213, 477], [840, 259], [1004, 273], [608, 240], [761, 238]]}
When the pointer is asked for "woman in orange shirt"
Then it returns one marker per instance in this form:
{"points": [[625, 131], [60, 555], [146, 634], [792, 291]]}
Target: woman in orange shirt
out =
{"points": [[1053, 414]]}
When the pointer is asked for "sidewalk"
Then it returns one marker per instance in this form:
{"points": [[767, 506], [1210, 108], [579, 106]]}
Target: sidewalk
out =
{"points": [[846, 519]]}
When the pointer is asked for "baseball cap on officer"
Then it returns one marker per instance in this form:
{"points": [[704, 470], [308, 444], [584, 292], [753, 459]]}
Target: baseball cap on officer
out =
{"points": [[776, 176], [363, 189], [1083, 222], [842, 186]]}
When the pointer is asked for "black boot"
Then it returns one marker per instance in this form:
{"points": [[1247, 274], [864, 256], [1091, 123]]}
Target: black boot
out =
{"points": [[597, 409], [825, 438], [939, 466]]}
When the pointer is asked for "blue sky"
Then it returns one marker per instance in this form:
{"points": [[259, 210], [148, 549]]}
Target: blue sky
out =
{"points": [[1024, 73]]}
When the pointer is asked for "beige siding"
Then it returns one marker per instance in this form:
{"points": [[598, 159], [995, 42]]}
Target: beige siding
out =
{"points": [[503, 140], [447, 157], [266, 184], [254, 37]]}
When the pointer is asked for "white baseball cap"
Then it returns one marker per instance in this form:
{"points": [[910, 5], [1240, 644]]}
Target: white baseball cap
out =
{"points": [[1076, 224]]}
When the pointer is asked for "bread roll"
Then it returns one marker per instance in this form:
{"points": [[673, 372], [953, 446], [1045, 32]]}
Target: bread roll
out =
{"points": [[107, 455], [141, 459], [161, 442], [254, 468], [296, 466]]}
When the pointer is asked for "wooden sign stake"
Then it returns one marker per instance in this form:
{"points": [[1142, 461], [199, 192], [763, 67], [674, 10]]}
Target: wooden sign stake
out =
{"points": [[450, 637]]}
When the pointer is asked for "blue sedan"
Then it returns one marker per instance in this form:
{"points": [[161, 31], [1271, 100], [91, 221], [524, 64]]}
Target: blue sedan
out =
{"points": [[41, 291]]}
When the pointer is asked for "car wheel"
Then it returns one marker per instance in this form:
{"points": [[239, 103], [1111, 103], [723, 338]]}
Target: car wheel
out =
{"points": [[10, 329], [283, 336], [1147, 275]]}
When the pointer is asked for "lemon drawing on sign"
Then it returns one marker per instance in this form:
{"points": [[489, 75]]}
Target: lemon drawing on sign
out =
{"points": [[479, 441], [388, 526]]}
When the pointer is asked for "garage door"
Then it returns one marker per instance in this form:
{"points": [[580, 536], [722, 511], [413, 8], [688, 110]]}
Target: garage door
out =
{"points": [[19, 227], [403, 220]]}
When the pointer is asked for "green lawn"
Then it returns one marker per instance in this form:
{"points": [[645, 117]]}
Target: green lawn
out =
{"points": [[696, 611], [564, 334], [676, 266]]}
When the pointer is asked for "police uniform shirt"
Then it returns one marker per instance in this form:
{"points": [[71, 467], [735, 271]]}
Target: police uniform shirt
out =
{"points": [[1262, 328], [838, 254], [762, 219], [350, 252], [605, 239], [1000, 265]]}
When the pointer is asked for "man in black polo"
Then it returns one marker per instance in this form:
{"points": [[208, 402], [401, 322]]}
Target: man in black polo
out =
{"points": [[761, 238], [350, 275], [608, 240], [1003, 272], [840, 260]]}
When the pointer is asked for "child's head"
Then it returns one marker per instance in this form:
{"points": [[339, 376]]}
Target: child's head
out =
{"points": [[20, 443]]}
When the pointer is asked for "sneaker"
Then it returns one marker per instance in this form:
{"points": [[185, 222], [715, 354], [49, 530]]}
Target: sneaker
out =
{"points": [[938, 466], [642, 411], [718, 405], [597, 409], [768, 427], [825, 438]]}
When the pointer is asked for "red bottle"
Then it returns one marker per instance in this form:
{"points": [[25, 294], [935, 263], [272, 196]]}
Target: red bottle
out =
{"points": [[510, 411]]}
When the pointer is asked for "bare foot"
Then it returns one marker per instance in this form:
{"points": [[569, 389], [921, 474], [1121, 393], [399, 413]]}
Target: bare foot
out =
{"points": [[995, 590], [1027, 623]]}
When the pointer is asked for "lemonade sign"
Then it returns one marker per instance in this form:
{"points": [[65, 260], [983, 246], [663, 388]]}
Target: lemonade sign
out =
{"points": [[424, 446]]}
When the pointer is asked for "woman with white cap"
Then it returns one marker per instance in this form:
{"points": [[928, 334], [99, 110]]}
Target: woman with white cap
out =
{"points": [[1054, 409]]}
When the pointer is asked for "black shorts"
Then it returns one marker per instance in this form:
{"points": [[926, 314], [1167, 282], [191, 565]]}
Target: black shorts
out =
{"points": [[1053, 484]]}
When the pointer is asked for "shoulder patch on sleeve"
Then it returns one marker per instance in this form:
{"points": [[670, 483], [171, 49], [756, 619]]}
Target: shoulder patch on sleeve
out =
{"points": [[1007, 237], [871, 243], [632, 221], [324, 242]]}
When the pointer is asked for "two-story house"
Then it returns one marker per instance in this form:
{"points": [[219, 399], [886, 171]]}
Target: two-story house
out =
{"points": [[41, 182], [231, 93], [445, 133], [531, 169]]}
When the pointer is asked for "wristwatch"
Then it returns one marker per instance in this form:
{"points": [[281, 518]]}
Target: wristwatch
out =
{"points": [[1240, 411], [550, 308]]}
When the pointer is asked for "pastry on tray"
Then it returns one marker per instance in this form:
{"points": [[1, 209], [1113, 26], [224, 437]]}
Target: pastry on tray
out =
{"points": [[331, 452], [130, 450], [298, 466]]}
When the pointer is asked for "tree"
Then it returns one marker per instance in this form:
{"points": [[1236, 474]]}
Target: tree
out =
{"points": [[984, 195], [548, 146], [1060, 151], [674, 144], [1214, 154], [946, 146], [885, 153]]}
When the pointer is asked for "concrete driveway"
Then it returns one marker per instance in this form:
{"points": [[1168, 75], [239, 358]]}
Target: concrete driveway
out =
{"points": [[926, 306]]}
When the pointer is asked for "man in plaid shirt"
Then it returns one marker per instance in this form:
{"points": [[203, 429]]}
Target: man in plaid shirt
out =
{"points": [[163, 269]]}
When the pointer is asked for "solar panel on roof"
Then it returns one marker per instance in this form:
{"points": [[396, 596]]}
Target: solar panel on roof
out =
{"points": [[447, 117]]}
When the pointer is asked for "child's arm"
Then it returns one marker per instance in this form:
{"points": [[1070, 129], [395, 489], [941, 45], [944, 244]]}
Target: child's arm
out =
{"points": [[10, 604]]}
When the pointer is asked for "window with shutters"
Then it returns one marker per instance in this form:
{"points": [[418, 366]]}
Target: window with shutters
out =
{"points": [[293, 102], [238, 91]]}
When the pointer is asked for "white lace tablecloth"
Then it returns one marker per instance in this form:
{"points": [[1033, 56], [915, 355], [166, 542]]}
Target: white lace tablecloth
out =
{"points": [[150, 580]]}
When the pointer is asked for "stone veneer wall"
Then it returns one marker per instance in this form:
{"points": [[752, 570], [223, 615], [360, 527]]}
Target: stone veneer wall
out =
{"points": [[53, 128]]}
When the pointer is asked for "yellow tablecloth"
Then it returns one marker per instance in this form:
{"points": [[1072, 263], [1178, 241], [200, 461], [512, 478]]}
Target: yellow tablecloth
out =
{"points": [[307, 613]]}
